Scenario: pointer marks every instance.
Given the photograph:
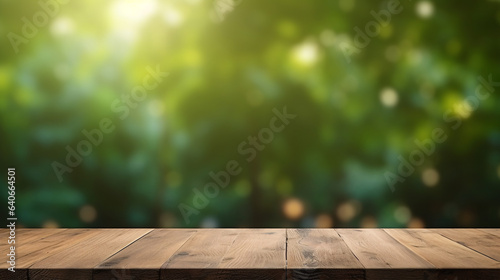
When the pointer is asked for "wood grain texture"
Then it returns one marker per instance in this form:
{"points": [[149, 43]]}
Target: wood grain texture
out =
{"points": [[254, 254], [201, 255], [257, 248], [382, 256], [230, 254], [52, 244], [24, 240], [144, 258], [494, 231], [77, 261], [26, 236], [133, 254], [376, 249], [479, 241], [451, 259], [441, 251], [320, 254]]}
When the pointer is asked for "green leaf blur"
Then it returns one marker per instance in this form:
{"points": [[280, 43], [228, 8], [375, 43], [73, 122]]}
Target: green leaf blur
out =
{"points": [[360, 113]]}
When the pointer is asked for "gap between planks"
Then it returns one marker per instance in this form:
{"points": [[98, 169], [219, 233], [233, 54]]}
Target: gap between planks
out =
{"points": [[465, 244], [128, 245]]}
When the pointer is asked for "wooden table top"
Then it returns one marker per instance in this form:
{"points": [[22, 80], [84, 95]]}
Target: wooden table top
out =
{"points": [[127, 254]]}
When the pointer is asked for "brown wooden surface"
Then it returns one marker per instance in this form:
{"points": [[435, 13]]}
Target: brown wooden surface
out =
{"points": [[133, 254], [204, 251], [161, 244], [441, 251], [254, 253], [77, 261], [477, 240], [376, 250], [320, 253]]}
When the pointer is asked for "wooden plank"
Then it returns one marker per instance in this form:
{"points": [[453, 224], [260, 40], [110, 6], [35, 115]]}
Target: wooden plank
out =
{"points": [[254, 254], [77, 262], [376, 249], [204, 250], [479, 241], [49, 245], [320, 253], [382, 256], [441, 251], [201, 255], [144, 258], [25, 238], [257, 248], [494, 231]]}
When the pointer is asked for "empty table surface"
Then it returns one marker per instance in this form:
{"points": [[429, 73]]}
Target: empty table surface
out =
{"points": [[126, 254]]}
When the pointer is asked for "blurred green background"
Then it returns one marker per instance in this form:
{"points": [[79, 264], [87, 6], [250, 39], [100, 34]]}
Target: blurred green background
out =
{"points": [[229, 64]]}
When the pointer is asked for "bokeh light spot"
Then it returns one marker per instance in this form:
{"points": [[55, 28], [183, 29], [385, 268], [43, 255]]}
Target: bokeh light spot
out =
{"points": [[430, 177], [389, 97], [88, 213], [323, 221], [293, 208], [425, 9], [132, 11], [167, 219], [209, 222], [415, 56], [127, 16], [306, 53], [402, 214], [50, 224], [463, 109], [62, 26], [416, 223], [346, 211], [369, 222]]}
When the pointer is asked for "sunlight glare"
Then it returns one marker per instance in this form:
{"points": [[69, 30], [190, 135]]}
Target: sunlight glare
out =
{"points": [[128, 15], [306, 53]]}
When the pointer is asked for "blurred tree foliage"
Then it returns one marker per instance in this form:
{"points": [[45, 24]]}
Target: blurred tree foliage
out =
{"points": [[226, 74]]}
